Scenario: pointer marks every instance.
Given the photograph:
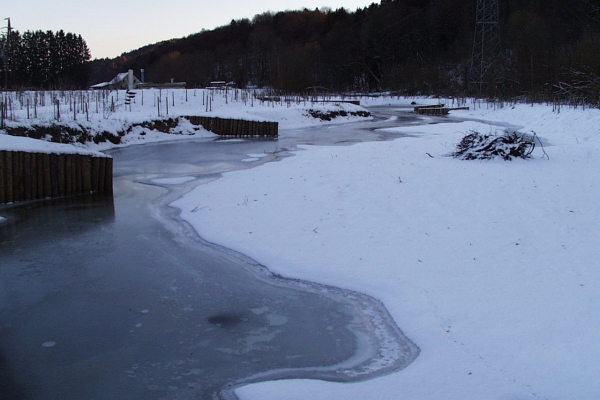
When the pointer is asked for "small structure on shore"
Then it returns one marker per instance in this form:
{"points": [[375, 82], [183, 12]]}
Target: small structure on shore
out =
{"points": [[221, 85], [127, 81], [436, 109], [124, 80]]}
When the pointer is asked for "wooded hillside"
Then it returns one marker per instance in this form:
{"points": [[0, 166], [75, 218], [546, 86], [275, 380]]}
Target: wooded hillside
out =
{"points": [[549, 48]]}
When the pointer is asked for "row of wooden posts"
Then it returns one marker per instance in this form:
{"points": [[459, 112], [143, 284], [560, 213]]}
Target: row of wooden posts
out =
{"points": [[236, 127], [437, 109], [30, 176]]}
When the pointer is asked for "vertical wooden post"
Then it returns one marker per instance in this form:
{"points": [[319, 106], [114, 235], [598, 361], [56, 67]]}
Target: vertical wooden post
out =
{"points": [[15, 176], [18, 171], [34, 184], [78, 178], [86, 167], [74, 174], [68, 174], [61, 175], [26, 176], [54, 175], [40, 175], [2, 176], [9, 177], [108, 183], [46, 171], [101, 174], [94, 172]]}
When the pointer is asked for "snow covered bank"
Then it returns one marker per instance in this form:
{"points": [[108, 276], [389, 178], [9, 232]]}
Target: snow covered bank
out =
{"points": [[491, 268], [14, 143], [101, 120]]}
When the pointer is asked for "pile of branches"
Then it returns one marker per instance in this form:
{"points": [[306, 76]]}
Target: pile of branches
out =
{"points": [[329, 115], [478, 146]]}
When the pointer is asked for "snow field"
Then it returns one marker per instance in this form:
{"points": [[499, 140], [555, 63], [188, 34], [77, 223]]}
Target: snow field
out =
{"points": [[491, 268]]}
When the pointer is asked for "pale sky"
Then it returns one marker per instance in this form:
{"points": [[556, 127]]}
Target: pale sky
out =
{"points": [[112, 27]]}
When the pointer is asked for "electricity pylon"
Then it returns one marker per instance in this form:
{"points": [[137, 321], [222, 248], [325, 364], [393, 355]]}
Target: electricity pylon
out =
{"points": [[485, 59], [5, 52]]}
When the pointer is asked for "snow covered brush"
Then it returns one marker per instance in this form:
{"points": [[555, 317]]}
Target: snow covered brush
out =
{"points": [[479, 146]]}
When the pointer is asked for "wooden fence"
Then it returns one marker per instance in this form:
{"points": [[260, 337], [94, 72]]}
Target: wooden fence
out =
{"points": [[30, 176], [236, 127]]}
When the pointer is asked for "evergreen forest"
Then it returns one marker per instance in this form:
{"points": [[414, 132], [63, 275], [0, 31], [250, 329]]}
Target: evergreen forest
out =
{"points": [[548, 49], [44, 60]]}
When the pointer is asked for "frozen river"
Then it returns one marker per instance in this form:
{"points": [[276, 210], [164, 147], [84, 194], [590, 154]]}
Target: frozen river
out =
{"points": [[108, 298]]}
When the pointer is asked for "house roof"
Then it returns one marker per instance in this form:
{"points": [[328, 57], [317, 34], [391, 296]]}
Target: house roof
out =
{"points": [[99, 85], [116, 80], [121, 77]]}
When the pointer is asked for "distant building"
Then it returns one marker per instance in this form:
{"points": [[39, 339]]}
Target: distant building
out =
{"points": [[168, 85], [221, 84], [124, 80], [127, 81]]}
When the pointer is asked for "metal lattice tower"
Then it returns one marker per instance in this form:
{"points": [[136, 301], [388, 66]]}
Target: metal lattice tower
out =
{"points": [[5, 53], [485, 59]]}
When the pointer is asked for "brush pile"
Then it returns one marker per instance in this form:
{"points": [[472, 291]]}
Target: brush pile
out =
{"points": [[479, 146]]}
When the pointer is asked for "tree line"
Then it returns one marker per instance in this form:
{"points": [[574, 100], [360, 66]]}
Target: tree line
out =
{"points": [[549, 48], [44, 60]]}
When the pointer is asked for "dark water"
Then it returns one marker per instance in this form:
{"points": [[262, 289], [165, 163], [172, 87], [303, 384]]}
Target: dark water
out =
{"points": [[116, 298]]}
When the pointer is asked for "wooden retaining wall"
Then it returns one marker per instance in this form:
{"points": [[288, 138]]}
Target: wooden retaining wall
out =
{"points": [[236, 127], [418, 108], [432, 111], [355, 102], [30, 176], [436, 110]]}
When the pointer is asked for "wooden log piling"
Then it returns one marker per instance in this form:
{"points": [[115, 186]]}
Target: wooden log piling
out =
{"points": [[437, 109], [2, 173], [236, 127], [30, 176]]}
